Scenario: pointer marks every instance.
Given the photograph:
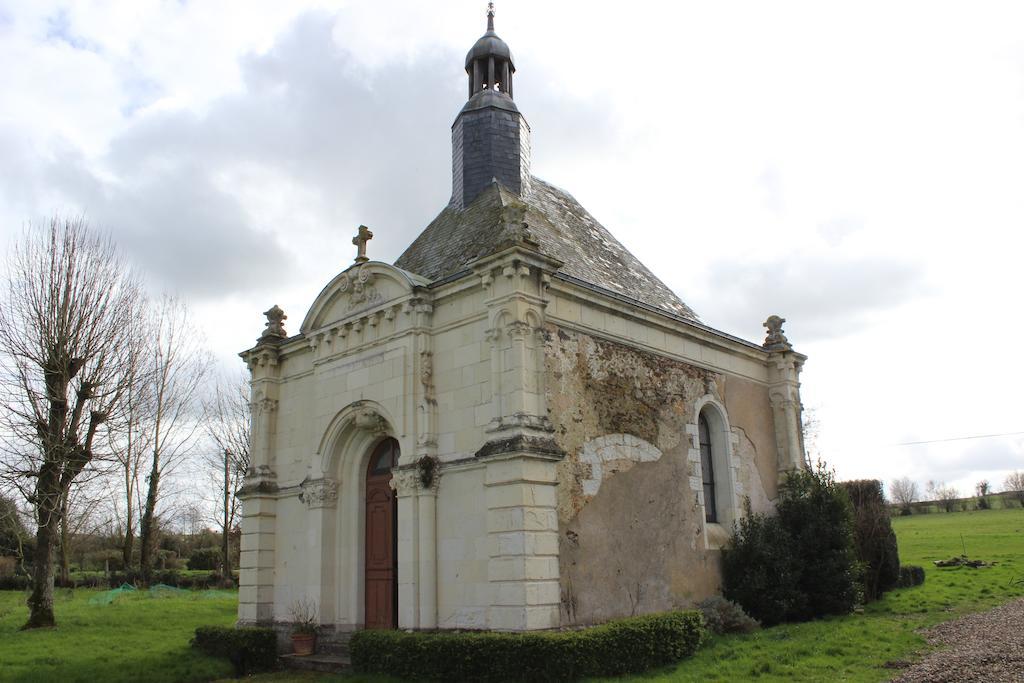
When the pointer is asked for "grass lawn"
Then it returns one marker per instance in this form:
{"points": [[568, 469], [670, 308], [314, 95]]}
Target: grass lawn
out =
{"points": [[142, 638], [857, 647], [135, 638]]}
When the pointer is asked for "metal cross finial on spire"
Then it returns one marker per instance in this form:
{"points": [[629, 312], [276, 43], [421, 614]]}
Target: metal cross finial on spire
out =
{"points": [[360, 241], [490, 16]]}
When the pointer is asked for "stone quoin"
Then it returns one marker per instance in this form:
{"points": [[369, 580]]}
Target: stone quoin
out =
{"points": [[515, 426]]}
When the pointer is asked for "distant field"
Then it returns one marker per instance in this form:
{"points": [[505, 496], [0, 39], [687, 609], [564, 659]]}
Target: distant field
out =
{"points": [[139, 638]]}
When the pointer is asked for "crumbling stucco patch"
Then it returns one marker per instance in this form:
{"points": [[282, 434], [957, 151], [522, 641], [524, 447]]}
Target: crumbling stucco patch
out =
{"points": [[597, 388], [631, 526], [611, 454]]}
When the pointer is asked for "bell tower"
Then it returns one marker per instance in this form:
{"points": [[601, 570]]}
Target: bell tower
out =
{"points": [[490, 138]]}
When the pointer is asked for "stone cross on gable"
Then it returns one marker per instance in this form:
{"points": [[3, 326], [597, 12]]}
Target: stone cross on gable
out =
{"points": [[360, 241]]}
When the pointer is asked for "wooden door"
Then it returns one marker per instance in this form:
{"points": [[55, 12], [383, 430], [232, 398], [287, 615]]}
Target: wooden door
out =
{"points": [[381, 538]]}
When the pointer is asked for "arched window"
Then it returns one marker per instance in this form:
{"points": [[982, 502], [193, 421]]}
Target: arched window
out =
{"points": [[707, 469], [384, 457]]}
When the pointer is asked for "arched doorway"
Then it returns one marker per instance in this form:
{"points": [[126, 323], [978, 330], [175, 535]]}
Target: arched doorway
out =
{"points": [[381, 538]]}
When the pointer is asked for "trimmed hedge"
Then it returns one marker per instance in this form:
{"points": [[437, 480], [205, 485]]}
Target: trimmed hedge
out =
{"points": [[14, 583], [249, 649], [911, 575], [613, 649]]}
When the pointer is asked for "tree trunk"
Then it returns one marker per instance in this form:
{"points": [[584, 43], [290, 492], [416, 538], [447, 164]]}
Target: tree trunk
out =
{"points": [[226, 563], [126, 548], [148, 524], [129, 524], [65, 540], [40, 601]]}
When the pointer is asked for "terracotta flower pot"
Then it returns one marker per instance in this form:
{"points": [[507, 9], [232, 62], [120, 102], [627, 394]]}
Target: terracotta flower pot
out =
{"points": [[303, 644]]}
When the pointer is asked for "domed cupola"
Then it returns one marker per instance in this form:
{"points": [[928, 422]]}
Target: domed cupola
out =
{"points": [[489, 62], [490, 138]]}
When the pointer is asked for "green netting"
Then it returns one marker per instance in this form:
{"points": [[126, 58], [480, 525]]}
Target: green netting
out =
{"points": [[108, 597], [162, 590]]}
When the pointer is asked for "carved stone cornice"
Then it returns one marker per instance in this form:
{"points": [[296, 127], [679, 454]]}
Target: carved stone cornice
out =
{"points": [[319, 493], [518, 329], [544, 446], [405, 482], [263, 356], [258, 480], [371, 421], [264, 405], [540, 423]]}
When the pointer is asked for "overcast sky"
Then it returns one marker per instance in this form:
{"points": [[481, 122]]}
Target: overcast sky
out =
{"points": [[855, 167]]}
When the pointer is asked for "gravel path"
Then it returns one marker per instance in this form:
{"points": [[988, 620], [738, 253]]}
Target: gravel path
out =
{"points": [[981, 647]]}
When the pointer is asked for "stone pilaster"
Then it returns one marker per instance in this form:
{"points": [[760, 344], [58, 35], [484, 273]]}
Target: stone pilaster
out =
{"points": [[321, 499], [784, 365], [522, 529], [256, 562], [417, 544], [259, 489]]}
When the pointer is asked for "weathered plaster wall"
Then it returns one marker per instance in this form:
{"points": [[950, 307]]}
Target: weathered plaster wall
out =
{"points": [[633, 542], [750, 415]]}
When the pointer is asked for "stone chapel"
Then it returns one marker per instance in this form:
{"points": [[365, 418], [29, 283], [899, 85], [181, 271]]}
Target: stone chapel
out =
{"points": [[515, 426]]}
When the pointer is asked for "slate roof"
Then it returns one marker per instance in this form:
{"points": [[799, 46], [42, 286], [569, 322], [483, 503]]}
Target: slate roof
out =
{"points": [[560, 227]]}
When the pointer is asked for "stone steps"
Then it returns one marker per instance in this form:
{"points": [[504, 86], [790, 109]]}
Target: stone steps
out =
{"points": [[321, 662]]}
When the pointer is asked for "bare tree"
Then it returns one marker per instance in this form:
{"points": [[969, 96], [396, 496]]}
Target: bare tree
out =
{"points": [[66, 348], [1015, 482], [131, 446], [946, 496], [228, 421], [903, 492], [179, 367], [78, 516]]}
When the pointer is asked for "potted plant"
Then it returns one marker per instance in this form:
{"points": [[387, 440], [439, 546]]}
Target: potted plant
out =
{"points": [[304, 627]]}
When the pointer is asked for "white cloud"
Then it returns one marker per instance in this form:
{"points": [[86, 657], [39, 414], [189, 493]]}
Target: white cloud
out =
{"points": [[856, 169]]}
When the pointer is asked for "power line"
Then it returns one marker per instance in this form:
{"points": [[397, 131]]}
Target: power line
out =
{"points": [[959, 438]]}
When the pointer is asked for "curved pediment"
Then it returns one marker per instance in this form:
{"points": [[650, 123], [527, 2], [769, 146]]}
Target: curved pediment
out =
{"points": [[362, 287]]}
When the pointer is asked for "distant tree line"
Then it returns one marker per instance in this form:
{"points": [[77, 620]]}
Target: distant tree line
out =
{"points": [[907, 497]]}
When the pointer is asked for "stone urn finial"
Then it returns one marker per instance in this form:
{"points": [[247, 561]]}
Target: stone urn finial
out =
{"points": [[776, 339], [275, 325]]}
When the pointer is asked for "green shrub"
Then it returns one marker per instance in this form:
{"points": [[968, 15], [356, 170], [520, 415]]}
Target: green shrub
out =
{"points": [[911, 575], [616, 648], [874, 539], [760, 570], [724, 616], [801, 563], [248, 649], [819, 517], [204, 558], [101, 560]]}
